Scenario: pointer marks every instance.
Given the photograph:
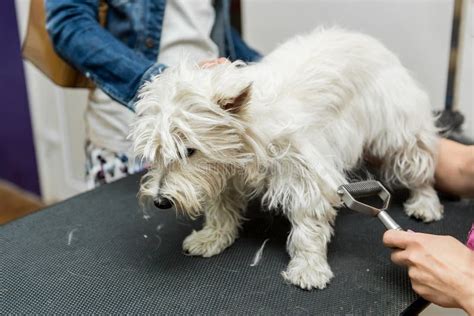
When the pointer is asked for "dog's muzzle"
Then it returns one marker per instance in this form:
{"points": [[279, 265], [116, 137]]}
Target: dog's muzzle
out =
{"points": [[162, 203]]}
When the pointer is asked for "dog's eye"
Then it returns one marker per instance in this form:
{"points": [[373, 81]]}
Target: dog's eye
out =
{"points": [[190, 152]]}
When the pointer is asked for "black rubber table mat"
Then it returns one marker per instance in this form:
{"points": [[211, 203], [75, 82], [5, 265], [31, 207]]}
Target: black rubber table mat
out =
{"points": [[98, 253]]}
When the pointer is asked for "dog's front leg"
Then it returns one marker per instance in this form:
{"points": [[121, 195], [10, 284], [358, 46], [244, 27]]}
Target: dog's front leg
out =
{"points": [[307, 247], [222, 222]]}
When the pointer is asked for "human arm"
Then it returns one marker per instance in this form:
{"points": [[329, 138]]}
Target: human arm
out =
{"points": [[441, 268], [455, 168], [81, 40]]}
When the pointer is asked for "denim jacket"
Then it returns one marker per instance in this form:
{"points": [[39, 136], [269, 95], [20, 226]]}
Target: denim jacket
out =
{"points": [[121, 56]]}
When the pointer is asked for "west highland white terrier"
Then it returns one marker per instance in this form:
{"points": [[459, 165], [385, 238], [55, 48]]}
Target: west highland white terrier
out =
{"points": [[287, 129]]}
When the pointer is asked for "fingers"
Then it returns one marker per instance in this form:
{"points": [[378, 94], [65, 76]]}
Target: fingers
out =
{"points": [[222, 60], [213, 62], [397, 239], [399, 257]]}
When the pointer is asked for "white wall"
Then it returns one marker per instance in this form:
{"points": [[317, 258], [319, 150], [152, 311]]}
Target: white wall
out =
{"points": [[419, 31]]}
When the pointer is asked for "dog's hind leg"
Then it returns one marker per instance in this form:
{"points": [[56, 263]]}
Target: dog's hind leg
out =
{"points": [[222, 222], [307, 247], [413, 166]]}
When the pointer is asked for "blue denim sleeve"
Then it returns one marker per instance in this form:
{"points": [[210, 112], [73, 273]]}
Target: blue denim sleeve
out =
{"points": [[78, 37], [242, 50]]}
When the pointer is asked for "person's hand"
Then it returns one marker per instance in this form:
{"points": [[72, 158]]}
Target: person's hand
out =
{"points": [[441, 268], [213, 62]]}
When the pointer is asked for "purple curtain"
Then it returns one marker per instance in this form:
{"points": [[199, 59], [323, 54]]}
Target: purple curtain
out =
{"points": [[17, 153]]}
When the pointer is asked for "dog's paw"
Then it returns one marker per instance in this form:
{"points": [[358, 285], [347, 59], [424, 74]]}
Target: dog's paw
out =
{"points": [[207, 242], [425, 206], [425, 214], [308, 274]]}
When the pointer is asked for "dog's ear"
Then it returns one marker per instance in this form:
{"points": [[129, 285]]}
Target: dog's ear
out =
{"points": [[236, 103]]}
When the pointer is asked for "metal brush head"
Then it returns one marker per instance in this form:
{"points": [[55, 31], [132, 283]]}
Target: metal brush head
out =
{"points": [[349, 192], [363, 188]]}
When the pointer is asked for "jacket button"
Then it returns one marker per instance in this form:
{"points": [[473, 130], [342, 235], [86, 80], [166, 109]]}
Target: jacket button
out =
{"points": [[149, 42]]}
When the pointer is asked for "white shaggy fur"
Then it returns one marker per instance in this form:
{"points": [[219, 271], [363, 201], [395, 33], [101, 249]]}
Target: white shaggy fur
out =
{"points": [[287, 129]]}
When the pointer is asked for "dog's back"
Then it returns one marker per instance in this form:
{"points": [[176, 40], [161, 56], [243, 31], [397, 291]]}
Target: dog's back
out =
{"points": [[347, 90]]}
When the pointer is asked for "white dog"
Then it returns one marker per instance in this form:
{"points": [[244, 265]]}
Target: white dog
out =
{"points": [[286, 129]]}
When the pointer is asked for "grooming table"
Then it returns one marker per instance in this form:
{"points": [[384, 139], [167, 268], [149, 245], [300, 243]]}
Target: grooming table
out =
{"points": [[99, 253]]}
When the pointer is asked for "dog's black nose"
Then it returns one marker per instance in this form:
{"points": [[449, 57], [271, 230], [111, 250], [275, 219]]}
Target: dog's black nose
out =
{"points": [[163, 203]]}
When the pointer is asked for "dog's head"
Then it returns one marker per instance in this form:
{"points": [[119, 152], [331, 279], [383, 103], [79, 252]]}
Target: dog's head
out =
{"points": [[190, 128]]}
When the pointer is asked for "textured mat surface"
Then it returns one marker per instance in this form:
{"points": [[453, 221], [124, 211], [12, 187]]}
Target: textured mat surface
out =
{"points": [[98, 253]]}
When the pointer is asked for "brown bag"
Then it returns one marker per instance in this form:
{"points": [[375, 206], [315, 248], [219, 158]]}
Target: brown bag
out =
{"points": [[38, 49]]}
